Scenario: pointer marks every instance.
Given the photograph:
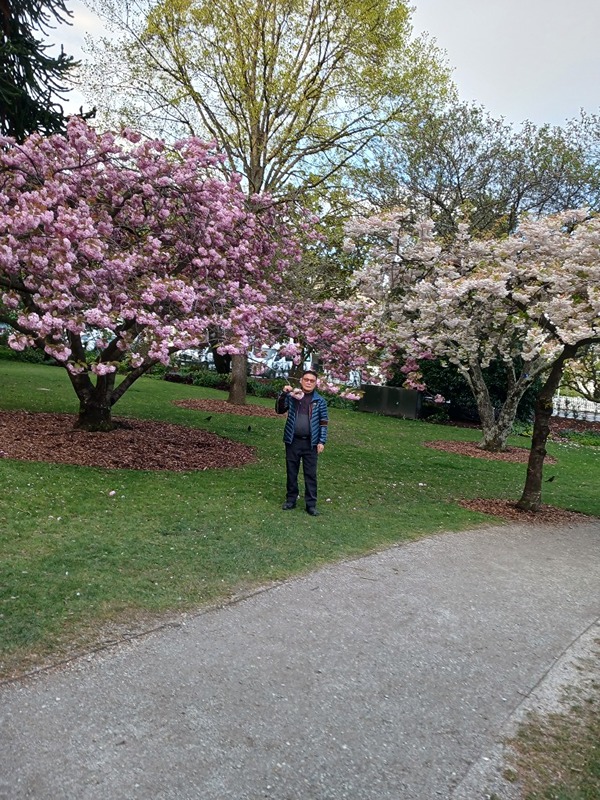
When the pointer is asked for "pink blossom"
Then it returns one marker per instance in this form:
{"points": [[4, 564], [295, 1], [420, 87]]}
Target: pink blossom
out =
{"points": [[19, 341], [102, 369], [147, 249]]}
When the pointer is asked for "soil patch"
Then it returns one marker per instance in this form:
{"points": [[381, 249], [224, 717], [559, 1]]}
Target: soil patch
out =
{"points": [[223, 407], [134, 444], [516, 454], [507, 509]]}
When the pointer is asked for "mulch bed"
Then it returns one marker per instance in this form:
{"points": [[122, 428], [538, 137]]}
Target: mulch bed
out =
{"points": [[558, 428], [134, 444], [223, 407], [507, 509], [515, 454]]}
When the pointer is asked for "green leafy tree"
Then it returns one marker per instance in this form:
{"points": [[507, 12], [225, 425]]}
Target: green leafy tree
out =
{"points": [[290, 90], [32, 81], [464, 164]]}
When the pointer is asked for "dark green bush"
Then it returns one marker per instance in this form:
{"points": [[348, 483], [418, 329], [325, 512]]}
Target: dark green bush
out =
{"points": [[335, 401], [31, 355], [158, 371], [445, 379], [441, 417], [208, 378], [266, 387]]}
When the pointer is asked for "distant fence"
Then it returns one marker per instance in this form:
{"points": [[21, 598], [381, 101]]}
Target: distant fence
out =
{"points": [[575, 408]]}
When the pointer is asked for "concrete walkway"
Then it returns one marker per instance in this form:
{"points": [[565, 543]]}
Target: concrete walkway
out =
{"points": [[390, 677]]}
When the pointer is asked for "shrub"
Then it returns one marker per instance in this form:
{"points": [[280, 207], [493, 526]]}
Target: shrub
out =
{"points": [[30, 355], [521, 428], [266, 387], [335, 401], [441, 417], [207, 378], [445, 379]]}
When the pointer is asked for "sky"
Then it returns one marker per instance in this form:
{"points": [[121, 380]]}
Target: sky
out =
{"points": [[520, 59]]}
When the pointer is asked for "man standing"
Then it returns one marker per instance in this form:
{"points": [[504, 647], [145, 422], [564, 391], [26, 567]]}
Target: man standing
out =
{"points": [[305, 434]]}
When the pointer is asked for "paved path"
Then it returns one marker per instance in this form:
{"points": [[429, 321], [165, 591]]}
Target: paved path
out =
{"points": [[390, 677]]}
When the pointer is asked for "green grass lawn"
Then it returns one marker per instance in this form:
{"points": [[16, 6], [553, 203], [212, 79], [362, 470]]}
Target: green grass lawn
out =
{"points": [[75, 559]]}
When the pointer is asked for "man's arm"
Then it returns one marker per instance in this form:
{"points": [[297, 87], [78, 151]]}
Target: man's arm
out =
{"points": [[283, 401]]}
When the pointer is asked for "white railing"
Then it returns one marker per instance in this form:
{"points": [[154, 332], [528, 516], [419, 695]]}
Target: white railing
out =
{"points": [[575, 408]]}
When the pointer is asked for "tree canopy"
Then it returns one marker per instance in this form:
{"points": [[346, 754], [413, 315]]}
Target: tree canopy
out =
{"points": [[139, 248], [32, 81], [461, 163], [290, 90]]}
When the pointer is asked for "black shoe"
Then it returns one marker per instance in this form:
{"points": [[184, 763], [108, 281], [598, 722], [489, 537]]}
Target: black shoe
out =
{"points": [[287, 506], [312, 512]]}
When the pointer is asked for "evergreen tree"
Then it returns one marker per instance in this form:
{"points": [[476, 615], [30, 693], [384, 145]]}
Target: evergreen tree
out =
{"points": [[31, 80]]}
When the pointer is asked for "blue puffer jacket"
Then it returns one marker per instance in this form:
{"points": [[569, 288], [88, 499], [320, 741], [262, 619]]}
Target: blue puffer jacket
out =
{"points": [[318, 416]]}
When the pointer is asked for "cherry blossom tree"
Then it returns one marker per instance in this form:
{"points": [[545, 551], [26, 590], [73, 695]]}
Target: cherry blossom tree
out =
{"points": [[532, 299], [343, 335], [141, 248], [553, 270]]}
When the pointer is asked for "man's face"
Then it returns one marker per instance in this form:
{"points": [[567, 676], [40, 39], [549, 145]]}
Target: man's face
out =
{"points": [[308, 383]]}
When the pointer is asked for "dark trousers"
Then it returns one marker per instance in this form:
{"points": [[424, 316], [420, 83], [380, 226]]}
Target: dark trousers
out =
{"points": [[301, 450]]}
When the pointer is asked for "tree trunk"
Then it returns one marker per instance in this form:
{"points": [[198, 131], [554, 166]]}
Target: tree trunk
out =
{"points": [[95, 402], [485, 409], [496, 434], [496, 430], [531, 499], [95, 415], [239, 380], [297, 370]]}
